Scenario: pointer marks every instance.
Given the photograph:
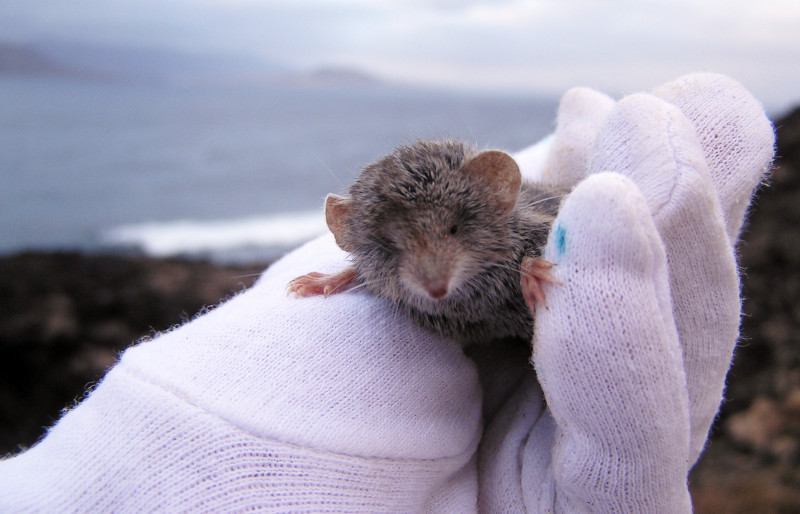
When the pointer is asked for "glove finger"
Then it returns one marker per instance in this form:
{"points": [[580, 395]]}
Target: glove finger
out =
{"points": [[651, 142], [735, 134], [581, 113], [608, 358]]}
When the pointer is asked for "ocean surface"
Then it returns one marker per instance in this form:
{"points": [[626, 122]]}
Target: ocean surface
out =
{"points": [[225, 172]]}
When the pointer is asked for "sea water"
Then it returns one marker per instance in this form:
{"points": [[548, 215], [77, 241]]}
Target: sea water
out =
{"points": [[220, 171]]}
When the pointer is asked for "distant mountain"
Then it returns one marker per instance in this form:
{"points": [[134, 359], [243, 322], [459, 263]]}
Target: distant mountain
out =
{"points": [[24, 60], [343, 76], [328, 77], [128, 63], [94, 61], [152, 63]]}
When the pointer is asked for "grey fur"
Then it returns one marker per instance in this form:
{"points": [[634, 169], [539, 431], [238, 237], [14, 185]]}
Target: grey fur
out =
{"points": [[406, 205]]}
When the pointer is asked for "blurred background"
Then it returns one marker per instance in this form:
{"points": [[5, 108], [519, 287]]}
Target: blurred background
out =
{"points": [[155, 155]]}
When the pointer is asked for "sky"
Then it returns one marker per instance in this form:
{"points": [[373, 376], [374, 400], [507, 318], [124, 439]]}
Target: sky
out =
{"points": [[537, 47]]}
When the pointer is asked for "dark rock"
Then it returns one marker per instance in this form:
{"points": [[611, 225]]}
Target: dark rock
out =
{"points": [[64, 318]]}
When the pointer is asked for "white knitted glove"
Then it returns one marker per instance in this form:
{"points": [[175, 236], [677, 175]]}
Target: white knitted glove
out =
{"points": [[341, 404], [633, 350]]}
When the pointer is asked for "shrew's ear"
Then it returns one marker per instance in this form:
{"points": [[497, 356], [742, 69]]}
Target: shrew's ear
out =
{"points": [[500, 173], [337, 216]]}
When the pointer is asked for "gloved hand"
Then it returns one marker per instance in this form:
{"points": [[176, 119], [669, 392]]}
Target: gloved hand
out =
{"points": [[633, 350], [340, 403]]}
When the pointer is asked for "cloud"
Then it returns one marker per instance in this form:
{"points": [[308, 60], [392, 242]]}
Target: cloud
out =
{"points": [[544, 45]]}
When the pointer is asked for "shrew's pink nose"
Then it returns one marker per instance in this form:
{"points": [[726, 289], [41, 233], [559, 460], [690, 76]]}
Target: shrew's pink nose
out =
{"points": [[437, 288]]}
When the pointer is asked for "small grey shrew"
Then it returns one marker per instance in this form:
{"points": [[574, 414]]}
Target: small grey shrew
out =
{"points": [[450, 235]]}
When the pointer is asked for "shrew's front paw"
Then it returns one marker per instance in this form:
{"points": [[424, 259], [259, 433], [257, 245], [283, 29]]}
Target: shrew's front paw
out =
{"points": [[314, 283], [535, 271]]}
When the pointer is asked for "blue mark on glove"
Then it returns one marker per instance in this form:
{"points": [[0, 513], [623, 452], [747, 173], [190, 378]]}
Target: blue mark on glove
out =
{"points": [[560, 236]]}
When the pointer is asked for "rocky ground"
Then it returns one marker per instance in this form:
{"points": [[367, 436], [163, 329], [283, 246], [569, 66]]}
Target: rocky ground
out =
{"points": [[65, 317]]}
